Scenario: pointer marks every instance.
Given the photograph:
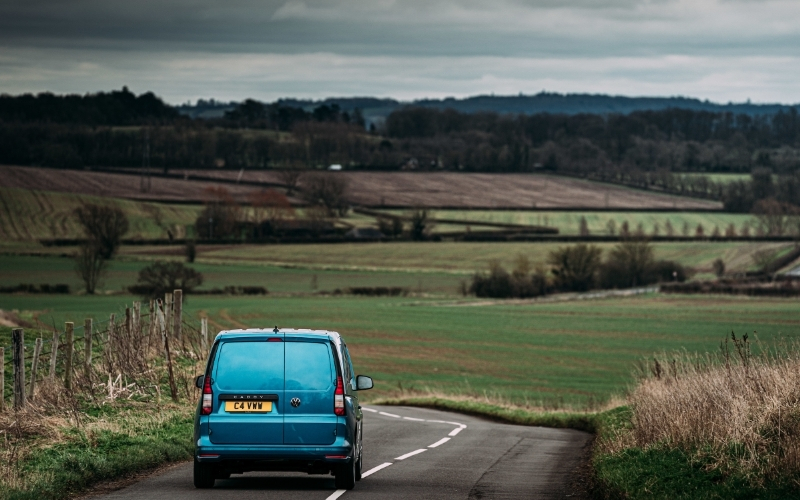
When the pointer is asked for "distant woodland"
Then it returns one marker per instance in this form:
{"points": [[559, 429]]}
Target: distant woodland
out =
{"points": [[646, 149]]}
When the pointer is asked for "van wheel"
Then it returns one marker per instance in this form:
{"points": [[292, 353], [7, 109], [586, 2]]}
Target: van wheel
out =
{"points": [[358, 468], [203, 475], [346, 476]]}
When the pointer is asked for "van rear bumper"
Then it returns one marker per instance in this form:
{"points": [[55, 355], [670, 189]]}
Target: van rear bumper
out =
{"points": [[207, 452]]}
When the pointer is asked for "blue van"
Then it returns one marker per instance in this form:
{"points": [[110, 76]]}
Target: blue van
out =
{"points": [[279, 400]]}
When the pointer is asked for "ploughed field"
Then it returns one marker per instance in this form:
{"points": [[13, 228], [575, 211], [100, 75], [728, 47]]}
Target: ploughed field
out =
{"points": [[404, 189], [30, 215], [552, 354], [113, 185], [453, 189]]}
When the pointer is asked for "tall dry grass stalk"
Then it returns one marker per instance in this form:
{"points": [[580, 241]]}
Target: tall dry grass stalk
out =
{"points": [[738, 409], [127, 371]]}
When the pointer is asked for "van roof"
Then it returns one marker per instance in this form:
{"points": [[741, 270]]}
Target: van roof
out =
{"points": [[282, 331]]}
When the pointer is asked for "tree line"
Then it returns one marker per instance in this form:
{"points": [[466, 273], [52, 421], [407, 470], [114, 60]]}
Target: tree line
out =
{"points": [[643, 149], [578, 268]]}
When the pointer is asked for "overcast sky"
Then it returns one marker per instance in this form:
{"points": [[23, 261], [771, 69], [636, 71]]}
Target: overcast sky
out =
{"points": [[722, 50]]}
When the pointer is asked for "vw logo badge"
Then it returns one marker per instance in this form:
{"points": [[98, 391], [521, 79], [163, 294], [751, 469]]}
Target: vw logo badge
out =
{"points": [[295, 402]]}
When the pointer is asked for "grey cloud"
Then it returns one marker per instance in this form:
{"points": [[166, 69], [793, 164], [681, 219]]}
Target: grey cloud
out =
{"points": [[456, 27], [400, 48]]}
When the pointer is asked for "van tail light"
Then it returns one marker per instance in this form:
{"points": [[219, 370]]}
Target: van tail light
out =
{"points": [[208, 397], [338, 398]]}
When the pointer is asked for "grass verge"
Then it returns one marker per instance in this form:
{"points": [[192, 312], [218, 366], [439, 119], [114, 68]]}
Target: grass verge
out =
{"points": [[582, 421], [85, 456]]}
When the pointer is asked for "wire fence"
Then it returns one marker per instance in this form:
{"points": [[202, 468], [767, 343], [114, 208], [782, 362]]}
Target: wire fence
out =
{"points": [[133, 343]]}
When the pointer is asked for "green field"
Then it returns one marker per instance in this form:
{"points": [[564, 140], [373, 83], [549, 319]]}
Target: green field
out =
{"points": [[437, 268], [568, 223], [570, 353], [456, 257], [722, 178], [16, 269]]}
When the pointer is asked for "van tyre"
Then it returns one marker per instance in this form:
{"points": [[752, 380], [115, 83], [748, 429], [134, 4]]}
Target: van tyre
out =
{"points": [[203, 475], [358, 468], [346, 476]]}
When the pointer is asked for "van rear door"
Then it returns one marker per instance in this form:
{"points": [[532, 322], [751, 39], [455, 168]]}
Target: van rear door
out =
{"points": [[309, 387], [248, 370]]}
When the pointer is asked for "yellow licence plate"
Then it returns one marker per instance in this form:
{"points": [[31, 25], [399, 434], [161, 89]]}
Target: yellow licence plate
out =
{"points": [[248, 406]]}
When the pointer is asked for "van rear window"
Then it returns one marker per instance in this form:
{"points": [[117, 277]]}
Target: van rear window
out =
{"points": [[245, 366], [309, 366]]}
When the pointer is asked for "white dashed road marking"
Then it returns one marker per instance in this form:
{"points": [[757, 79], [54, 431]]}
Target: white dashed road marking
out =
{"points": [[336, 494], [416, 452], [375, 469], [439, 442]]}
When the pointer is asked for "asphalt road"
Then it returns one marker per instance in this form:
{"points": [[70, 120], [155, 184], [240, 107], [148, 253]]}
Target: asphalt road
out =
{"points": [[412, 453]]}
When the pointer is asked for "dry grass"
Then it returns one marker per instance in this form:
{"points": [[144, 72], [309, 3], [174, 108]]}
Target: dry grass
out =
{"points": [[126, 393], [735, 410]]}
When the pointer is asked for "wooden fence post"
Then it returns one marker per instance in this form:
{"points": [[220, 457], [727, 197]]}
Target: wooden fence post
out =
{"points": [[88, 326], [173, 389], [137, 318], [34, 367], [204, 334], [54, 355], [68, 348], [2, 379], [177, 315], [168, 313], [152, 328], [128, 323], [18, 343], [111, 332]]}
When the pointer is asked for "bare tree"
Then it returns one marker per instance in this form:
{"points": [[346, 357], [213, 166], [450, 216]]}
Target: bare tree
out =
{"points": [[669, 228], [90, 265], [270, 206], [290, 177], [625, 229], [763, 258], [316, 216], [774, 217], [611, 227], [104, 227], [328, 190], [719, 267], [220, 217], [583, 226], [421, 224], [391, 227]]}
